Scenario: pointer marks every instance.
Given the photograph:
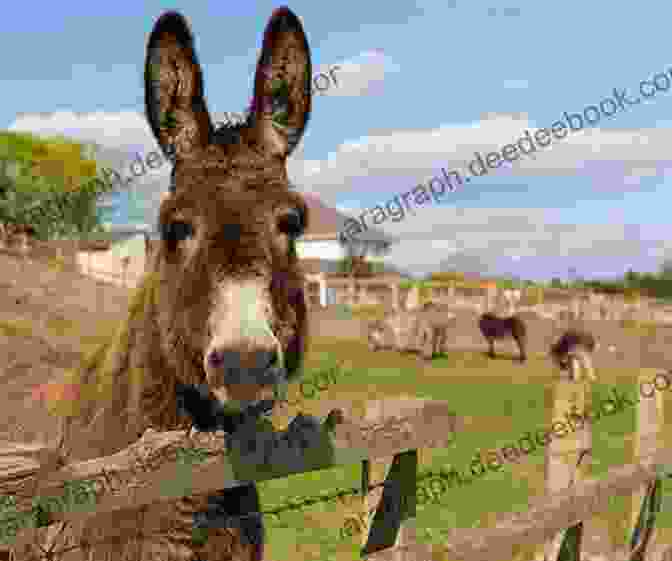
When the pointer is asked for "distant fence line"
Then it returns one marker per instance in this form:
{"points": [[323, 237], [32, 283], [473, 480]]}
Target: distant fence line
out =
{"points": [[387, 291]]}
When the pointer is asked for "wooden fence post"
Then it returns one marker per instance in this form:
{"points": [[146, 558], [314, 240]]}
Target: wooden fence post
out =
{"points": [[413, 298], [324, 301], [451, 290], [564, 453], [395, 296], [125, 261], [649, 423], [394, 523], [575, 307], [306, 292], [490, 298]]}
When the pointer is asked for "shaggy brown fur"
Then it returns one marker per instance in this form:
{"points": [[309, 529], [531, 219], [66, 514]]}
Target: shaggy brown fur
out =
{"points": [[223, 292], [573, 351], [424, 330], [493, 327]]}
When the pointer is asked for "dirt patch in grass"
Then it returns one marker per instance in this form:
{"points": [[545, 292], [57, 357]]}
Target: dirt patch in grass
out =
{"points": [[49, 320]]}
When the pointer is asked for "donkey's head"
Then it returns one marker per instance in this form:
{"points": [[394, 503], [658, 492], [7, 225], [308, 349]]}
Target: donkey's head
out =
{"points": [[232, 312]]}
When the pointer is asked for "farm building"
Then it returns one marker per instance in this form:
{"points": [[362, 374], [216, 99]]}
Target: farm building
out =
{"points": [[320, 249]]}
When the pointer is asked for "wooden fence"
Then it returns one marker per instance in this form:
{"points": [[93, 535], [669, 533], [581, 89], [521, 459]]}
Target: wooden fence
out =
{"points": [[390, 431], [392, 293], [386, 439], [557, 520]]}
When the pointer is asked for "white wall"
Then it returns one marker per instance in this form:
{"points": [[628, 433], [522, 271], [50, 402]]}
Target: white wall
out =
{"points": [[104, 261], [106, 267], [322, 249], [326, 249]]}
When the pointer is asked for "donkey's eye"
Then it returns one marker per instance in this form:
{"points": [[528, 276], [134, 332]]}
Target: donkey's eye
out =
{"points": [[176, 231], [291, 223]]}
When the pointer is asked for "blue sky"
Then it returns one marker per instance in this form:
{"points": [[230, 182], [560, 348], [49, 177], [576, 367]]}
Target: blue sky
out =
{"points": [[422, 86]]}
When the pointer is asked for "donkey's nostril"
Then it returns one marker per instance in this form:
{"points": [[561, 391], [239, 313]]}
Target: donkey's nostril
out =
{"points": [[267, 359], [216, 359], [260, 360]]}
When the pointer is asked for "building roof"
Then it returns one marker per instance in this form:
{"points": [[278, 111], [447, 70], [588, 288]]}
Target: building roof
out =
{"points": [[327, 223], [312, 266]]}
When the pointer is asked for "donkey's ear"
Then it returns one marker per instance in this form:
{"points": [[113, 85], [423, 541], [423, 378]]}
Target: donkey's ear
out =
{"points": [[282, 98], [174, 101]]}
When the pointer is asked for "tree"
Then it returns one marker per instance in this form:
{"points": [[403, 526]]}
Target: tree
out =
{"points": [[666, 270], [50, 185], [631, 278], [354, 263]]}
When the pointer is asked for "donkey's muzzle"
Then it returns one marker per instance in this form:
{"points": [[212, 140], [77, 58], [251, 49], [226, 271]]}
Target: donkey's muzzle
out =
{"points": [[230, 367]]}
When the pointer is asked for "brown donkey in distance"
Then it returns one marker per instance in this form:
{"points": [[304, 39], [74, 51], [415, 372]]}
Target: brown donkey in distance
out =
{"points": [[493, 327], [222, 304]]}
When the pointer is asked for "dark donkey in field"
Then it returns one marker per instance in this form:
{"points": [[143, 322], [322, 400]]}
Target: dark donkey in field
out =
{"points": [[493, 327], [220, 315], [573, 352]]}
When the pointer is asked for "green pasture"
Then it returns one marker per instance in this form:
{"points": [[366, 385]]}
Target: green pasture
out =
{"points": [[500, 400]]}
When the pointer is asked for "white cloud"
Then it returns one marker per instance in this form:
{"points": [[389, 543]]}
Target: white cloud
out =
{"points": [[636, 175], [361, 75], [483, 235], [418, 154], [121, 129]]}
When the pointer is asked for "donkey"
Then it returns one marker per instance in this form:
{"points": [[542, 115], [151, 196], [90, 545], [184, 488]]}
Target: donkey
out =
{"points": [[493, 327], [424, 329], [573, 351], [220, 315]]}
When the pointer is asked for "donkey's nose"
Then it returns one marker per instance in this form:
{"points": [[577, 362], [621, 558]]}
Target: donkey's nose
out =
{"points": [[232, 365]]}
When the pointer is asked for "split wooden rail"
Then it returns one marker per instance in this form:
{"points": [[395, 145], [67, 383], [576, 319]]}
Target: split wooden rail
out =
{"points": [[149, 471], [385, 438], [571, 500]]}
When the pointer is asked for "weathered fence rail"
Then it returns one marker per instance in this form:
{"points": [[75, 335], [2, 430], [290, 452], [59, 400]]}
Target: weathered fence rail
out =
{"points": [[571, 498], [149, 471], [546, 517], [385, 439]]}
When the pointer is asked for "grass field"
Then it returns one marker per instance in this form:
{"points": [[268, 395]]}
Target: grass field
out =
{"points": [[500, 401]]}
